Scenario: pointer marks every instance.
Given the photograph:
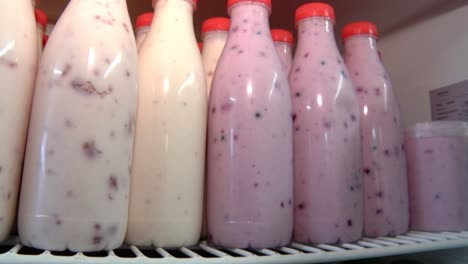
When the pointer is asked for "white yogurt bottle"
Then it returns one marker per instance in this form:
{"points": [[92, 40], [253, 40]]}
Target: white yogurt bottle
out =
{"points": [[142, 27], [76, 177], [41, 20], [18, 64], [166, 198], [214, 32], [284, 42]]}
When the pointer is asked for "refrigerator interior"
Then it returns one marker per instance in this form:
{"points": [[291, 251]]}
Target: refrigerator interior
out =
{"points": [[424, 46]]}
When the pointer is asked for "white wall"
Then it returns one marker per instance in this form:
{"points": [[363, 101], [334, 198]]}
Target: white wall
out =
{"points": [[426, 56]]}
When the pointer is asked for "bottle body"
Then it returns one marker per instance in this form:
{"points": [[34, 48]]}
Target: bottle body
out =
{"points": [[250, 184], [166, 202], [213, 45], [384, 163], [437, 178], [17, 74], [327, 162], [76, 176]]}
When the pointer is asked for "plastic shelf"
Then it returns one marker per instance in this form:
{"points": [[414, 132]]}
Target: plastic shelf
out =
{"points": [[412, 242]]}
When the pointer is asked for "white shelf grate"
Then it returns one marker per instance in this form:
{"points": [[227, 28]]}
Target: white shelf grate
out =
{"points": [[413, 242]]}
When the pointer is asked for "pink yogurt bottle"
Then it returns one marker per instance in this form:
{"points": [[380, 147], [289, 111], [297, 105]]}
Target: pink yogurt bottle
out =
{"points": [[284, 42], [327, 145], [437, 156], [250, 170], [384, 164]]}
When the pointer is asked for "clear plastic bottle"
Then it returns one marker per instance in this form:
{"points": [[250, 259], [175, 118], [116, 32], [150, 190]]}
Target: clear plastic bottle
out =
{"points": [[166, 203], [284, 42], [142, 27], [250, 173], [76, 178], [18, 66], [327, 145], [214, 34], [437, 154], [41, 19], [385, 183]]}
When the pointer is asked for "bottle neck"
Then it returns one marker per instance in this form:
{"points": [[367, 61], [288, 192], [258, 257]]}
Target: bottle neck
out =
{"points": [[283, 47], [361, 47], [250, 18], [171, 15], [318, 28], [215, 35]]}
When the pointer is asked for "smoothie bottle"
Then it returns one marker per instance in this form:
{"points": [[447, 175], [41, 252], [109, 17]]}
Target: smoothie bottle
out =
{"points": [[18, 66], [166, 202], [437, 155], [250, 172], [385, 183], [76, 177], [214, 34], [41, 20], [143, 23], [284, 42], [327, 161]]}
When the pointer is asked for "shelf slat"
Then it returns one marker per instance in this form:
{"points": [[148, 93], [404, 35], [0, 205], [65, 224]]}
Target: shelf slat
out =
{"points": [[413, 242]]}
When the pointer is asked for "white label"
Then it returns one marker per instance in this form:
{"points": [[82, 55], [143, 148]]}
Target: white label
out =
{"points": [[450, 102]]}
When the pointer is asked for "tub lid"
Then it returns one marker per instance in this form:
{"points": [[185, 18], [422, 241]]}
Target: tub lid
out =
{"points": [[438, 129]]}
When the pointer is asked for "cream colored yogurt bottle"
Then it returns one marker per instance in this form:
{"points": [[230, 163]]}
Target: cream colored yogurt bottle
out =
{"points": [[215, 32], [143, 23], [166, 201]]}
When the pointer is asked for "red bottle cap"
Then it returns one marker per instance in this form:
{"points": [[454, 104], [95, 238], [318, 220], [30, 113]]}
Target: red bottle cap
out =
{"points": [[359, 28], [41, 17], [215, 24], [144, 20], [282, 36], [233, 2], [45, 38], [314, 10]]}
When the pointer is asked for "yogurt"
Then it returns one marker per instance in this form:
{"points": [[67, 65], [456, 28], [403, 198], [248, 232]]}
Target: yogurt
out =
{"points": [[143, 23], [250, 173], [41, 19], [18, 66], [214, 34], [77, 169], [384, 166], [327, 144], [166, 203], [284, 42], [437, 155]]}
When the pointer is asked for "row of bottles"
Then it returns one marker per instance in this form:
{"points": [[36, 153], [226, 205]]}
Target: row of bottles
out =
{"points": [[106, 160]]}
